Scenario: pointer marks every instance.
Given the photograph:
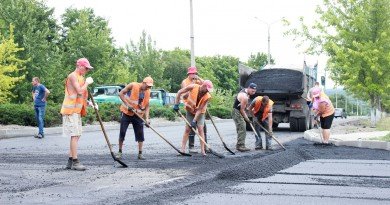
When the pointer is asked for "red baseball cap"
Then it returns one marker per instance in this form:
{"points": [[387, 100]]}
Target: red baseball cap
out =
{"points": [[209, 85], [192, 70], [84, 62]]}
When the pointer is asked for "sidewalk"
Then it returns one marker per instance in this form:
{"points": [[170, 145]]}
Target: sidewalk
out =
{"points": [[358, 139]]}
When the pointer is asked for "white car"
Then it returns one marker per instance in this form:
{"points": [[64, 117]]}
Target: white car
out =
{"points": [[340, 112]]}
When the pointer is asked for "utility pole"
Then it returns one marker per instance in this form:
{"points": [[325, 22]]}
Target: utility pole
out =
{"points": [[269, 37], [192, 35]]}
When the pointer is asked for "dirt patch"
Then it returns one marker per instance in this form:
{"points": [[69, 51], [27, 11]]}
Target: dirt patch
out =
{"points": [[352, 126]]}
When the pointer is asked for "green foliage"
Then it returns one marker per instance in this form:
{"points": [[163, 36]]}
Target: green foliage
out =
{"points": [[221, 70], [355, 34], [24, 114], [36, 31], [87, 35], [162, 112], [258, 60], [146, 60], [10, 66], [176, 63]]}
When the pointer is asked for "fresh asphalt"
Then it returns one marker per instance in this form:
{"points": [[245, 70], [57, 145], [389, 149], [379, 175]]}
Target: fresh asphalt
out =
{"points": [[32, 172]]}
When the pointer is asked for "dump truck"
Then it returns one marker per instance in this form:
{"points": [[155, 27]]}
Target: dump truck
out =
{"points": [[287, 86]]}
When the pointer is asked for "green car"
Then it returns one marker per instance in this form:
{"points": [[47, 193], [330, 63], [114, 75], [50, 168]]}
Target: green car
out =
{"points": [[110, 94], [107, 94]]}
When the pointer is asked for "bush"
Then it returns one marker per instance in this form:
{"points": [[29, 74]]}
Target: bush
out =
{"points": [[221, 112], [162, 112]]}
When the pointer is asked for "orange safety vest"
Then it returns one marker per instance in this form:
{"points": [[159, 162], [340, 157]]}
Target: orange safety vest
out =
{"points": [[257, 107], [186, 83], [192, 104], [74, 102], [133, 99]]}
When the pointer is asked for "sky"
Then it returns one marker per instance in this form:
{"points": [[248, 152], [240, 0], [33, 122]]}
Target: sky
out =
{"points": [[221, 27]]}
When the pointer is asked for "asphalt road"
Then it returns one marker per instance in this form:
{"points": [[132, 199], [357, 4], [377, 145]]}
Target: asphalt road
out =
{"points": [[32, 171]]}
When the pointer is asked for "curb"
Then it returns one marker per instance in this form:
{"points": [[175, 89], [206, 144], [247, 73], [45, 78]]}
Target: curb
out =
{"points": [[30, 131], [314, 136]]}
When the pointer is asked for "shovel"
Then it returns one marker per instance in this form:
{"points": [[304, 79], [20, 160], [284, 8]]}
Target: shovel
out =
{"points": [[220, 137], [265, 130], [182, 153], [104, 132], [200, 138]]}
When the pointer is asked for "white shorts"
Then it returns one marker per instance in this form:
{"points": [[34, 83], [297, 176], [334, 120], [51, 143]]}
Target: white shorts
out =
{"points": [[72, 125]]}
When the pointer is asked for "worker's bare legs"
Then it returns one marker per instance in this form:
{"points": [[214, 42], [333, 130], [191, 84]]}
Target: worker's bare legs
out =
{"points": [[185, 138], [73, 146], [202, 144], [326, 135]]}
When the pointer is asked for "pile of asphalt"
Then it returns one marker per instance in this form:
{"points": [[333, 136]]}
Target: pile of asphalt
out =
{"points": [[266, 166]]}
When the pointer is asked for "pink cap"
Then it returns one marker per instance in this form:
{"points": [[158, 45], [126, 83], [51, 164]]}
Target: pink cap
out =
{"points": [[316, 92], [209, 85], [84, 62], [192, 70], [148, 80]]}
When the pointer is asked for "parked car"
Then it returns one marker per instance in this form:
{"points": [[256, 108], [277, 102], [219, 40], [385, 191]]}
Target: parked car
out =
{"points": [[110, 94], [340, 112]]}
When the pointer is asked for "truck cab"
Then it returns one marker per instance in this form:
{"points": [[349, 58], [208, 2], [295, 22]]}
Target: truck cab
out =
{"points": [[107, 94]]}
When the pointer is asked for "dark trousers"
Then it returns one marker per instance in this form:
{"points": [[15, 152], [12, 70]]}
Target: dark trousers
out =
{"points": [[191, 140]]}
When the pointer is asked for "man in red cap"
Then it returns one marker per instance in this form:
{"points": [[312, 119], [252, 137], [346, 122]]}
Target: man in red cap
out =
{"points": [[192, 78], [74, 107], [196, 105], [135, 97]]}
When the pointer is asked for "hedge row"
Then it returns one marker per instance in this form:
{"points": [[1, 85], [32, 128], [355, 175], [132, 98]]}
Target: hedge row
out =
{"points": [[23, 114]]}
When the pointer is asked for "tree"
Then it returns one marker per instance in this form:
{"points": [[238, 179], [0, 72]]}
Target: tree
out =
{"points": [[146, 60], [221, 70], [9, 66], [355, 34], [258, 60], [36, 31], [176, 63]]}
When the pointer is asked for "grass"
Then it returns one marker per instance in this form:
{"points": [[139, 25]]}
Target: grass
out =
{"points": [[383, 125]]}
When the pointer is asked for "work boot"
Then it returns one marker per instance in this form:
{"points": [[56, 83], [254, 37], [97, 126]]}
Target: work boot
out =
{"points": [[36, 136], [119, 155], [140, 157], [243, 149], [192, 150], [76, 165], [40, 136], [258, 147], [69, 164]]}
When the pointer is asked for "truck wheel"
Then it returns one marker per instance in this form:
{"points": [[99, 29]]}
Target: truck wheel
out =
{"points": [[294, 124], [303, 125]]}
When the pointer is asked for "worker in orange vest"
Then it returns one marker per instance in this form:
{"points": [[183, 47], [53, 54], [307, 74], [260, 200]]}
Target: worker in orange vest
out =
{"points": [[196, 105], [74, 107], [135, 97], [192, 78], [261, 109]]}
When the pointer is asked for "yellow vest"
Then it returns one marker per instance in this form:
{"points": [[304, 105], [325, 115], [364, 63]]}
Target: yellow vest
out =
{"points": [[74, 102]]}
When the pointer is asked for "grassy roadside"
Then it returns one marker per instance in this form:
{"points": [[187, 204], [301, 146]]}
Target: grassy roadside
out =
{"points": [[383, 125]]}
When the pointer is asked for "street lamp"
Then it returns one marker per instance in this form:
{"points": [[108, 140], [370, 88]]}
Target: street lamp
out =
{"points": [[269, 36]]}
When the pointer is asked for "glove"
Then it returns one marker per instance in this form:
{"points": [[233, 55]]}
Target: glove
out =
{"points": [[92, 105], [176, 108], [147, 123], [89, 80], [194, 125], [129, 108]]}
